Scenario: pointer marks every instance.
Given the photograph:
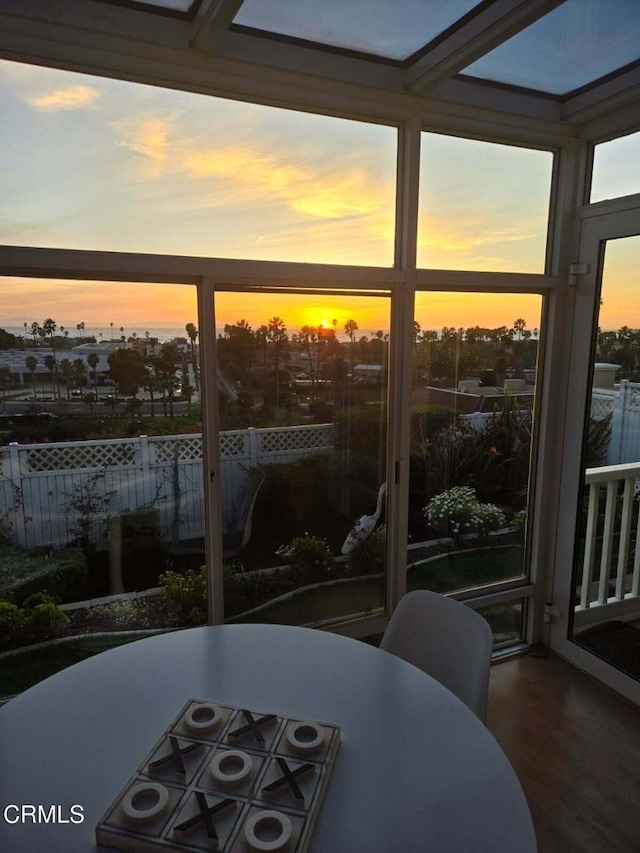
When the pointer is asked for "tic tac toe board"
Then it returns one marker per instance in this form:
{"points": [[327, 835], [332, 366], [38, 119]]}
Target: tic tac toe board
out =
{"points": [[226, 779]]}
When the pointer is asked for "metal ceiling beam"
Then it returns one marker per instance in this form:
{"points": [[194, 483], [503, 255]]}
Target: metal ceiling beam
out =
{"points": [[482, 32], [212, 22], [614, 94], [258, 69], [94, 19]]}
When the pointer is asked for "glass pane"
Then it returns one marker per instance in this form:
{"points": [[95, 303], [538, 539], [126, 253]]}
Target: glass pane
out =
{"points": [[607, 571], [616, 168], [506, 621], [174, 5], [471, 414], [393, 30], [572, 46], [168, 172], [303, 414], [483, 206], [100, 468]]}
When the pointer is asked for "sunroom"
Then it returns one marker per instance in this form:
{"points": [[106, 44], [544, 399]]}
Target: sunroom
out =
{"points": [[388, 227], [305, 306], [358, 282]]}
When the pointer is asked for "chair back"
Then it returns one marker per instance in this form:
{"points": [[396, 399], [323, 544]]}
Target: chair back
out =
{"points": [[447, 640]]}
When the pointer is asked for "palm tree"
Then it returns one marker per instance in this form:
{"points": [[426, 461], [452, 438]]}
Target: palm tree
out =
{"points": [[32, 363], [93, 360], [350, 328], [51, 364], [67, 373], [49, 327], [192, 332], [277, 335], [518, 326]]}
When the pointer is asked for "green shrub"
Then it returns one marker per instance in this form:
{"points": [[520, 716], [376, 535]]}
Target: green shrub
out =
{"points": [[12, 623], [310, 555], [37, 598], [308, 494], [61, 582], [369, 557], [19, 626], [185, 596], [43, 622]]}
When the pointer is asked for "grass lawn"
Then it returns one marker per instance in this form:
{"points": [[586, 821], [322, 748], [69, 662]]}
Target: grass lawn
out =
{"points": [[314, 605], [445, 573], [464, 569], [23, 669]]}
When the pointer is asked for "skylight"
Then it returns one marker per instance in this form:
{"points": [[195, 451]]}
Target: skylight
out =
{"points": [[393, 30], [571, 47]]}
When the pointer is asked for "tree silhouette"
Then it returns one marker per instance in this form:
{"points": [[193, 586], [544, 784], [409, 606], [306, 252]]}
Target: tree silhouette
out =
{"points": [[518, 327], [51, 364], [192, 334], [32, 363], [66, 369], [277, 337], [49, 327]]}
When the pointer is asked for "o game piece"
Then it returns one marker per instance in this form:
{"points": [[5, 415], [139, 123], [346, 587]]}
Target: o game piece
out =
{"points": [[231, 766], [145, 802], [202, 717], [305, 737], [268, 831]]}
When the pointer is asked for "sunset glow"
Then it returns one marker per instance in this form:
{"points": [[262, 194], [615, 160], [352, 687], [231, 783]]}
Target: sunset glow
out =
{"points": [[169, 172]]}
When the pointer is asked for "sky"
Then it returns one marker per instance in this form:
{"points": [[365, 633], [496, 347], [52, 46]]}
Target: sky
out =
{"points": [[94, 163]]}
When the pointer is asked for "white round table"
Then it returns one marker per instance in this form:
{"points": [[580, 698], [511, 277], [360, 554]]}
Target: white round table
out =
{"points": [[415, 771]]}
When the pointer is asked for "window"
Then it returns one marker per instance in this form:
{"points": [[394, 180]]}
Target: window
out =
{"points": [[93, 163], [471, 425], [101, 484], [483, 206], [303, 407], [616, 168]]}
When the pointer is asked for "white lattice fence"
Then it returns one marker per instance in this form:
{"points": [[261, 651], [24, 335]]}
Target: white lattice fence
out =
{"points": [[81, 454], [50, 493], [601, 406]]}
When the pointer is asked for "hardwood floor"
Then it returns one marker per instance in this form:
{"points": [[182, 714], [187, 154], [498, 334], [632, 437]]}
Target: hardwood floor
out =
{"points": [[576, 750]]}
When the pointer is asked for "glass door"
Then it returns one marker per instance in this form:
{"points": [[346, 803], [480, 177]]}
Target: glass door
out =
{"points": [[598, 597]]}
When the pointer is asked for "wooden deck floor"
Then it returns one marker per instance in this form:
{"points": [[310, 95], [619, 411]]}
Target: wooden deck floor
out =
{"points": [[576, 750]]}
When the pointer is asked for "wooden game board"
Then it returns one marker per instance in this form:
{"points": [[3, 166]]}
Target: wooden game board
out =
{"points": [[225, 779]]}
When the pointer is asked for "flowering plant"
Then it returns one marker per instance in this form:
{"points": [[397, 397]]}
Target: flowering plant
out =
{"points": [[458, 512]]}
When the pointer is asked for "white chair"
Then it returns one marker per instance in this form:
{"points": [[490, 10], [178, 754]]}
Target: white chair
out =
{"points": [[447, 640]]}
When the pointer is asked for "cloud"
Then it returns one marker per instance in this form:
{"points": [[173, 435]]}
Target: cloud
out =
{"points": [[67, 98], [149, 138], [332, 195]]}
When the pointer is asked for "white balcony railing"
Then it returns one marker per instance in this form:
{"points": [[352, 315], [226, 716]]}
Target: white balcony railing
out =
{"points": [[610, 575]]}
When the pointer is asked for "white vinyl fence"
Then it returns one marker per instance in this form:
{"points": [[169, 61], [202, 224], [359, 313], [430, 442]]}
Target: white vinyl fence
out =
{"points": [[50, 493], [624, 404]]}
